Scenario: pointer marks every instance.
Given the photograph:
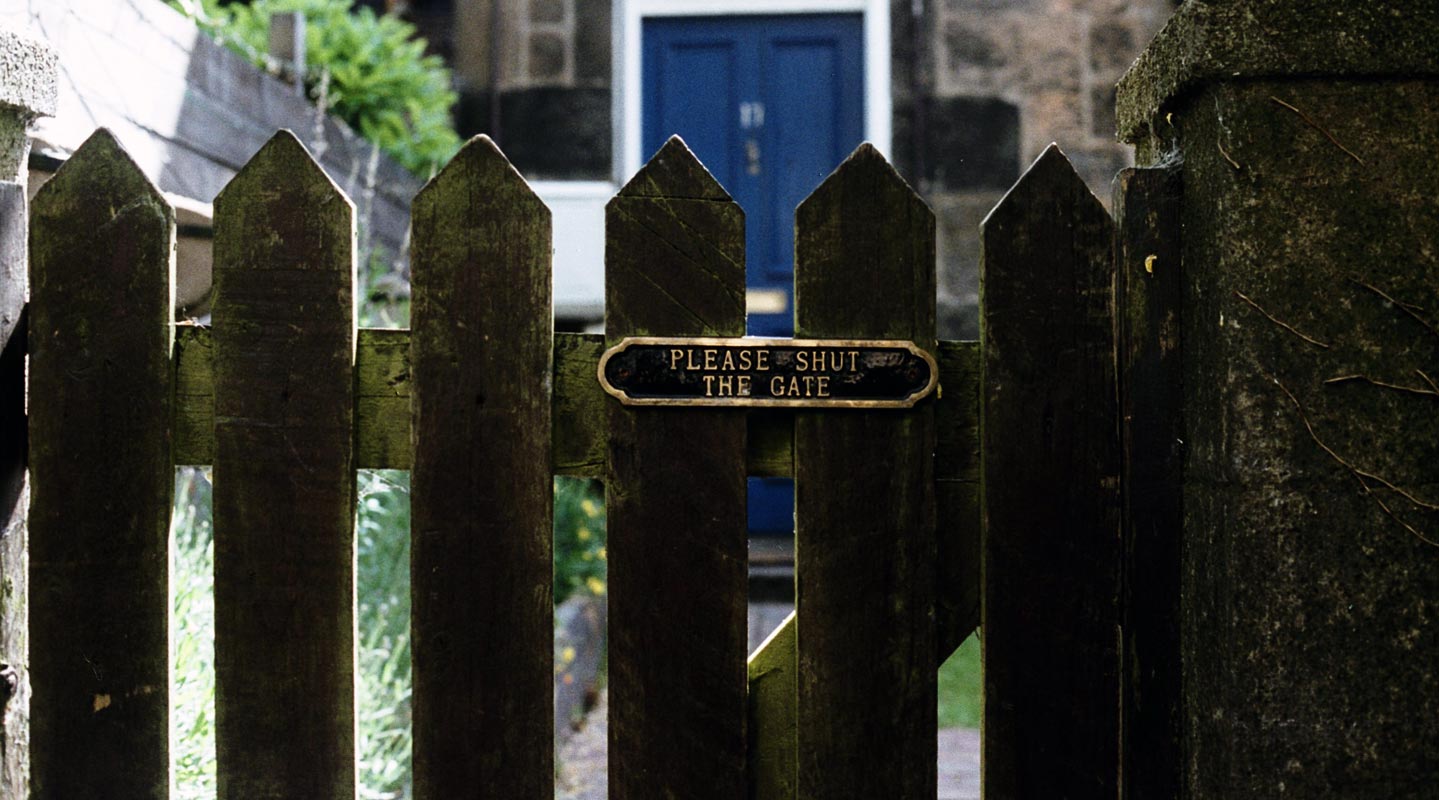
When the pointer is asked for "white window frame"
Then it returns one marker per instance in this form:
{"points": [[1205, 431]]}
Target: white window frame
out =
{"points": [[628, 19]]}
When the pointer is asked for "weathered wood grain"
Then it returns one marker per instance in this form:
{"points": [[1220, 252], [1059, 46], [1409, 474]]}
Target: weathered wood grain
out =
{"points": [[481, 491], [674, 265], [101, 479], [865, 503], [580, 412], [956, 494], [1051, 492], [382, 396], [382, 408], [284, 480], [1149, 291]]}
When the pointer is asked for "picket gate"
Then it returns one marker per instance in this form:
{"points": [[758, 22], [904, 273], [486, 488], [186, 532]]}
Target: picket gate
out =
{"points": [[286, 398]]}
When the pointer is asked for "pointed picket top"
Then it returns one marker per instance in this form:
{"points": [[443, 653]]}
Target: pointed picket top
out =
{"points": [[1050, 460], [284, 176], [865, 222], [865, 170], [1049, 180], [284, 347], [480, 164], [96, 182], [865, 269], [675, 172], [100, 331]]}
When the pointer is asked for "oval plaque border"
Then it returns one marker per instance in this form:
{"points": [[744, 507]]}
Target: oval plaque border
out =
{"points": [[768, 402]]}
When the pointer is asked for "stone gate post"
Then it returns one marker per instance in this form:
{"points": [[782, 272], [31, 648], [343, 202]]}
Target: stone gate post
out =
{"points": [[1306, 135], [27, 91]]}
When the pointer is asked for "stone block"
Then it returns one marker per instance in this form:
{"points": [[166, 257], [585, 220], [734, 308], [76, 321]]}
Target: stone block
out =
{"points": [[27, 74], [592, 42], [957, 217], [28, 89], [1112, 46], [1208, 41], [547, 57], [969, 45], [971, 143], [1101, 122], [552, 11], [1306, 133], [1053, 115], [549, 132]]}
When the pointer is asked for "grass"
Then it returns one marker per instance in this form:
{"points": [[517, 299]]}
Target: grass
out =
{"points": [[960, 687]]}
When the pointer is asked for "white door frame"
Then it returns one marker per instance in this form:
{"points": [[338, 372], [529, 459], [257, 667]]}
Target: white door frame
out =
{"points": [[625, 81]]}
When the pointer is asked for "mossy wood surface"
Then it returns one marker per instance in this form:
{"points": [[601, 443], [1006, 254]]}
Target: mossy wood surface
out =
{"points": [[865, 550], [1210, 41], [481, 488], [674, 266], [1051, 464], [382, 409], [101, 479], [309, 256], [1148, 282], [773, 716], [284, 481]]}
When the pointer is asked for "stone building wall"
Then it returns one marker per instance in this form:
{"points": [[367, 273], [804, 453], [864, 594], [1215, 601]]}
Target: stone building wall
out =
{"points": [[980, 87], [1006, 78], [553, 84]]}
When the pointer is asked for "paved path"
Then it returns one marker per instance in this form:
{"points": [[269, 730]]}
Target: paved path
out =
{"points": [[583, 770]]}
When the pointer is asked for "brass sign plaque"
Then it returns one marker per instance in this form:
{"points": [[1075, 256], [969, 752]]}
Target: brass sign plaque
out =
{"points": [[772, 373]]}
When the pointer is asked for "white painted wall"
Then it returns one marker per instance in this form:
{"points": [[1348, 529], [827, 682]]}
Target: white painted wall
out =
{"points": [[577, 211]]}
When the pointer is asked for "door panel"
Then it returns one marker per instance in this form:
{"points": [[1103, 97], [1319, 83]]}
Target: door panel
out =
{"points": [[771, 105]]}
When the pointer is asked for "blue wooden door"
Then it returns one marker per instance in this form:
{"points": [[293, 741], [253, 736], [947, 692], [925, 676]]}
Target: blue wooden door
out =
{"points": [[771, 105]]}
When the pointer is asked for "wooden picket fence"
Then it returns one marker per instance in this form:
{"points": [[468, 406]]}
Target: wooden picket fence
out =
{"points": [[484, 404]]}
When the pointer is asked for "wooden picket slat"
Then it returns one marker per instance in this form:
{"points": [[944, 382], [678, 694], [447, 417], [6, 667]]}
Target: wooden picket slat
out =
{"points": [[773, 716], [674, 266], [1149, 293], [956, 494], [1051, 468], [865, 507], [284, 480], [481, 490], [772, 667], [101, 479]]}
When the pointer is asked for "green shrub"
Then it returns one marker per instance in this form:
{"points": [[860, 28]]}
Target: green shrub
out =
{"points": [[382, 527], [580, 555], [192, 701], [382, 534], [382, 542], [371, 71]]}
